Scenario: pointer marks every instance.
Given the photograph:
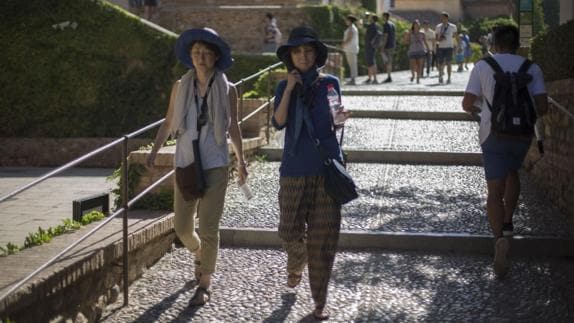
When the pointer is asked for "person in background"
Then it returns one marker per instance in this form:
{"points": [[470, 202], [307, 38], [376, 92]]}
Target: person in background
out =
{"points": [[207, 56], [149, 8], [467, 48], [388, 49], [310, 219], [459, 49], [272, 37], [417, 49], [502, 156], [430, 39], [445, 33], [370, 50], [351, 46]]}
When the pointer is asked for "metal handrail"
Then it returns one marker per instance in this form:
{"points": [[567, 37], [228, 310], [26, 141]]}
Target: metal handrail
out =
{"points": [[560, 107], [124, 182], [267, 69]]}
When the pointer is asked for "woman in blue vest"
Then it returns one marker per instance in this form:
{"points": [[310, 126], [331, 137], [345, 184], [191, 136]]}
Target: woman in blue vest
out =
{"points": [[309, 218]]}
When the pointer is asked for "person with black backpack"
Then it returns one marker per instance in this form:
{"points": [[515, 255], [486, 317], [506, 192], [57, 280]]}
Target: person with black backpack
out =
{"points": [[513, 97]]}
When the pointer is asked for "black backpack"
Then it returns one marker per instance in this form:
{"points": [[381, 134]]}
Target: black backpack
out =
{"points": [[512, 109]]}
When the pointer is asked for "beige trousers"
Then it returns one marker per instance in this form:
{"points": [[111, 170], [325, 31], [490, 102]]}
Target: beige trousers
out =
{"points": [[208, 210]]}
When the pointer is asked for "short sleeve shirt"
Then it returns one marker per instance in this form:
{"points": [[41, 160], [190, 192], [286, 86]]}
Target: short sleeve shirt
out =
{"points": [[481, 83], [389, 28], [448, 30]]}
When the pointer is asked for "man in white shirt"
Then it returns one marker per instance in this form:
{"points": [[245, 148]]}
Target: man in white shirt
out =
{"points": [[445, 32], [351, 46], [502, 155], [430, 39]]}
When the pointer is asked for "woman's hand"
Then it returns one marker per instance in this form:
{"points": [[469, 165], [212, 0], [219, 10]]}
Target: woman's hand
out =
{"points": [[293, 78], [341, 115], [150, 162]]}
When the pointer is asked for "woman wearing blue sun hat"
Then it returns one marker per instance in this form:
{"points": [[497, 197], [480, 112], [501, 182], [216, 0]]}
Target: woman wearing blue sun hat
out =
{"points": [[202, 99], [309, 219]]}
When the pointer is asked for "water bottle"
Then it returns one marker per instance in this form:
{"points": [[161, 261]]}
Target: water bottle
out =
{"points": [[334, 102]]}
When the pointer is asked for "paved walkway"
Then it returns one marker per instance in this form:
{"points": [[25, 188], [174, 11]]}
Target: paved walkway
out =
{"points": [[367, 285], [46, 204]]}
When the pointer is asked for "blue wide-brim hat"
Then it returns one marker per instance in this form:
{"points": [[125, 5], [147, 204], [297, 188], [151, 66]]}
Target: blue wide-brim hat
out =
{"points": [[208, 35], [300, 36]]}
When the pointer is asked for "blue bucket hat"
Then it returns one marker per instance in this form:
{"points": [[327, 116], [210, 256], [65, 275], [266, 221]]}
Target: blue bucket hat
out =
{"points": [[207, 35], [300, 36]]}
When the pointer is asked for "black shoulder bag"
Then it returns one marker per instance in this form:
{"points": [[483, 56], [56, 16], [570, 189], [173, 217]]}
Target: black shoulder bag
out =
{"points": [[338, 183], [190, 179]]}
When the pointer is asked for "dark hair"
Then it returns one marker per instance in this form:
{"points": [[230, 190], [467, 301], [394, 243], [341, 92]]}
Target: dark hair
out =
{"points": [[386, 15], [506, 37], [375, 18], [444, 13], [416, 21], [209, 46]]}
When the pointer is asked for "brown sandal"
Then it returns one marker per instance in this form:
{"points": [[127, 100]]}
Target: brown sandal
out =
{"points": [[294, 279], [320, 314], [200, 297]]}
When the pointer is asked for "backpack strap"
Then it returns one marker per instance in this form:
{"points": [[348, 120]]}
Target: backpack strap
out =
{"points": [[525, 66], [492, 62]]}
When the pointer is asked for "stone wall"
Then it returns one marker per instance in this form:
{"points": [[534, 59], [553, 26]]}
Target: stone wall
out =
{"points": [[47, 152], [243, 28], [164, 164], [554, 172]]}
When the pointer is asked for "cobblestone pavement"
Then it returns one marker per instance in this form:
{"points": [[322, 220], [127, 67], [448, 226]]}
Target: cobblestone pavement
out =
{"points": [[403, 103], [411, 135], [407, 198], [249, 286]]}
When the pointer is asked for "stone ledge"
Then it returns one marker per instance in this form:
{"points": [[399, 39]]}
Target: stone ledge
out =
{"points": [[87, 276]]}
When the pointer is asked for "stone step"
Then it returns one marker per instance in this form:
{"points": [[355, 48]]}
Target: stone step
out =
{"points": [[412, 115], [396, 157], [402, 198], [535, 246]]}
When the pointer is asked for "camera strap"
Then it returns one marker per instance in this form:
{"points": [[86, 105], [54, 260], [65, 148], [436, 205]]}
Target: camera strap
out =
{"points": [[202, 112]]}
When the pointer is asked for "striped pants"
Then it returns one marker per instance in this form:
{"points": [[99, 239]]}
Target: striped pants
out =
{"points": [[309, 226]]}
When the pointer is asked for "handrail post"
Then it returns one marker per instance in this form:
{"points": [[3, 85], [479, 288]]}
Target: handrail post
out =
{"points": [[269, 91], [240, 93], [125, 200]]}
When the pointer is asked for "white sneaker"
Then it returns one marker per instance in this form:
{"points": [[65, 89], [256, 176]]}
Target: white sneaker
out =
{"points": [[501, 263]]}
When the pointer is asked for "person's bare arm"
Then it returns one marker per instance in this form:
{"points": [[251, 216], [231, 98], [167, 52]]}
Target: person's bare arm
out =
{"points": [[235, 134], [541, 102], [164, 129], [282, 110], [468, 103]]}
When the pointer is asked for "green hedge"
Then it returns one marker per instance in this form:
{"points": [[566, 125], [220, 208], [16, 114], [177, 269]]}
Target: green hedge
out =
{"points": [[553, 51], [483, 26], [109, 75]]}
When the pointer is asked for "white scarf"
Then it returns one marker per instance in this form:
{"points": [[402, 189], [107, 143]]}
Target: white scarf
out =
{"points": [[219, 114]]}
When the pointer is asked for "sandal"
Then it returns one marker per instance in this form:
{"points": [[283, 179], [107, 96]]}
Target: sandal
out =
{"points": [[294, 279], [320, 314], [200, 297]]}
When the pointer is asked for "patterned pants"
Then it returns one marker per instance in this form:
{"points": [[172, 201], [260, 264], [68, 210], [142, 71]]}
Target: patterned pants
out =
{"points": [[309, 226]]}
